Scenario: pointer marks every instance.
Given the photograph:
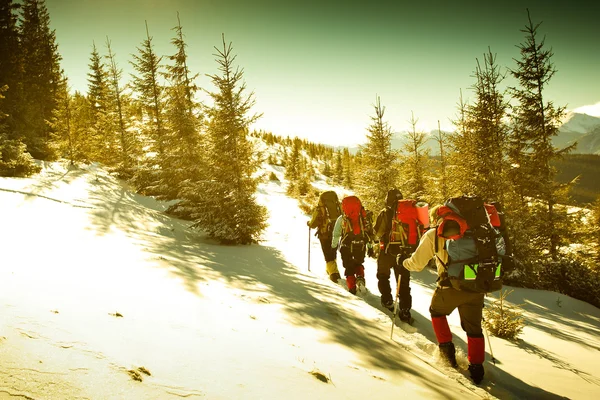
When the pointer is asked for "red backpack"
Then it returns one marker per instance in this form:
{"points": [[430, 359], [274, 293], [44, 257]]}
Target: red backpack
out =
{"points": [[354, 215], [409, 222]]}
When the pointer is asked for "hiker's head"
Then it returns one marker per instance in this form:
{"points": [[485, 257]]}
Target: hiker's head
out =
{"points": [[450, 229], [392, 196]]}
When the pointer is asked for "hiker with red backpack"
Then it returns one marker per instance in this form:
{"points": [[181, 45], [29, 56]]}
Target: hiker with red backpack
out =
{"points": [[398, 229], [351, 234], [323, 218], [469, 249]]}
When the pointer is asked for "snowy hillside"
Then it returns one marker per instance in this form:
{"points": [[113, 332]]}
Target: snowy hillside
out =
{"points": [[102, 296]]}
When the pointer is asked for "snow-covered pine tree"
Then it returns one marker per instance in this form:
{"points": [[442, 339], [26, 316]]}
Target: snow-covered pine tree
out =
{"points": [[150, 96], [128, 146], [378, 169], [183, 162], [536, 122], [338, 172], [40, 64], [348, 169], [14, 158], [102, 131], [415, 163], [224, 205]]}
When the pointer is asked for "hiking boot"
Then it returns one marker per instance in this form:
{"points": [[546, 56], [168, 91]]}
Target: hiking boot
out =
{"points": [[448, 354], [335, 277], [477, 372], [404, 315], [352, 290], [389, 304], [360, 281]]}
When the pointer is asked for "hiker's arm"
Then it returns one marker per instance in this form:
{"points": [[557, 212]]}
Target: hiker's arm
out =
{"points": [[380, 225], [424, 252], [337, 232], [313, 223]]}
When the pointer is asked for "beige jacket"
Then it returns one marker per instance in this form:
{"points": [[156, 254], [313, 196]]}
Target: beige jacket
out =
{"points": [[426, 251]]}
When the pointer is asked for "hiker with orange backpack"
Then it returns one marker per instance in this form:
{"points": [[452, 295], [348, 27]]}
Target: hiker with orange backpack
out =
{"points": [[398, 228], [469, 251], [323, 218], [351, 235]]}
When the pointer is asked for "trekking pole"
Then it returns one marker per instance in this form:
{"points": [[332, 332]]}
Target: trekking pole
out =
{"points": [[309, 249], [396, 304], [489, 343]]}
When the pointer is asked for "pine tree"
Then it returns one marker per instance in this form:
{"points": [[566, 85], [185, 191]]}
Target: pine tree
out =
{"points": [[338, 176], [414, 163], [14, 159], [378, 168], [41, 77], [480, 143], [102, 135], [129, 148], [10, 68], [441, 190], [183, 162], [536, 123], [224, 204], [348, 180], [151, 99]]}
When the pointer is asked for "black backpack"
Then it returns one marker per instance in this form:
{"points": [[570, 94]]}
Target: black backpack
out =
{"points": [[475, 258], [330, 210]]}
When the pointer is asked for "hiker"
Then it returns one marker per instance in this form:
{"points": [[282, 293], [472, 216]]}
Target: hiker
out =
{"points": [[398, 230], [449, 293], [323, 218], [350, 234]]}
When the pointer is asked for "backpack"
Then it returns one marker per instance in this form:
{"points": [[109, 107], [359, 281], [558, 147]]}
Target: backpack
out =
{"points": [[329, 209], [354, 236], [475, 252], [409, 220]]}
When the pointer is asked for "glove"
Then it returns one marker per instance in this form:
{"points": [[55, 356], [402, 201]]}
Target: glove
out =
{"points": [[370, 251]]}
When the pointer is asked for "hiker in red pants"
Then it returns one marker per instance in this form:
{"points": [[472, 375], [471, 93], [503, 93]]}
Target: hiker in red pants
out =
{"points": [[351, 235], [447, 298]]}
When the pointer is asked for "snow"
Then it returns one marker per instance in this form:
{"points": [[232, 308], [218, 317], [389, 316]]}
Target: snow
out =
{"points": [[592, 109], [96, 281]]}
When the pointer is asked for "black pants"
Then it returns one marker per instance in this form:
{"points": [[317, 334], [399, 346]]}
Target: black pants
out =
{"points": [[350, 262], [329, 253], [385, 262]]}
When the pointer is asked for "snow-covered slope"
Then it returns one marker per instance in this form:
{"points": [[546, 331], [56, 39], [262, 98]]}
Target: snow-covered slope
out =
{"points": [[99, 289]]}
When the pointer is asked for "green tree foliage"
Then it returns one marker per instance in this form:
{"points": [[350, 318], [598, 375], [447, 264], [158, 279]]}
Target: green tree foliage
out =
{"points": [[102, 129], [150, 96], [536, 121], [14, 159], [377, 170], [10, 69], [479, 146], [183, 162], [415, 163], [40, 78], [223, 205], [129, 149], [502, 319], [440, 186]]}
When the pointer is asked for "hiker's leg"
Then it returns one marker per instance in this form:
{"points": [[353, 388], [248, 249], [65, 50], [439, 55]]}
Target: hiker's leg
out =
{"points": [[384, 263], [405, 296]]}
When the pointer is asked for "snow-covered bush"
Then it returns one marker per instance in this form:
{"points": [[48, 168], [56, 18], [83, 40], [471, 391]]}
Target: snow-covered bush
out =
{"points": [[503, 320]]}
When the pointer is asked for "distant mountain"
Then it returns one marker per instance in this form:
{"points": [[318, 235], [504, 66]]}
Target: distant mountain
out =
{"points": [[577, 127], [581, 128]]}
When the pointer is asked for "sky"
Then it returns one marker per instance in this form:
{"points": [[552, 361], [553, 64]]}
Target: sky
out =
{"points": [[106, 287], [317, 67]]}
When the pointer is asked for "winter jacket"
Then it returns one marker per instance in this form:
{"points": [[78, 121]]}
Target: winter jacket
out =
{"points": [[337, 232], [426, 251]]}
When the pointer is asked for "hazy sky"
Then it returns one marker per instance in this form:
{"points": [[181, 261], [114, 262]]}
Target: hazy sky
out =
{"points": [[316, 67]]}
